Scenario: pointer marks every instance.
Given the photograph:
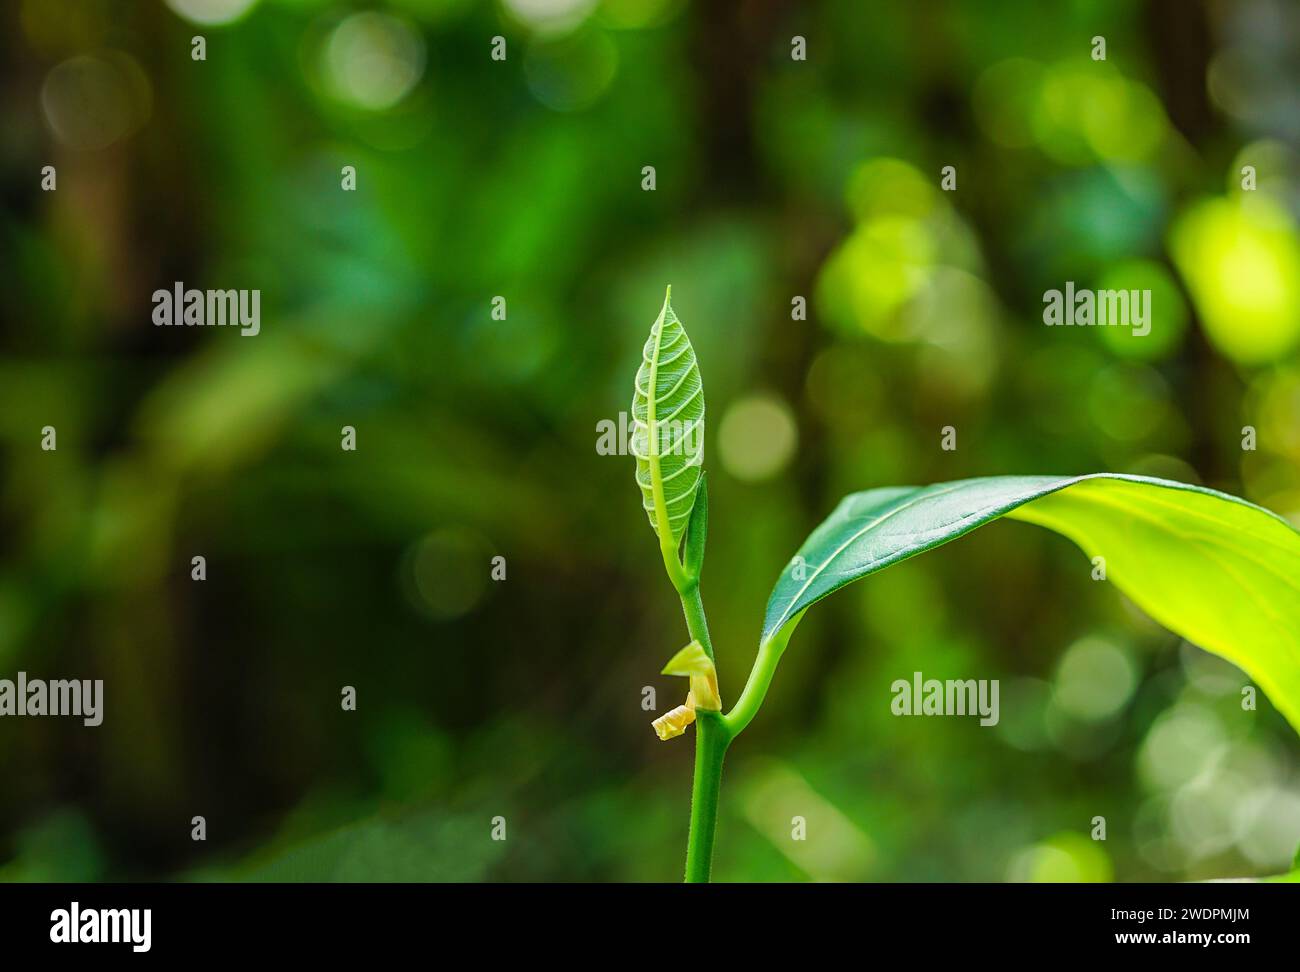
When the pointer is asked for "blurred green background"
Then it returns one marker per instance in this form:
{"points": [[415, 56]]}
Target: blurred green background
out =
{"points": [[476, 437]]}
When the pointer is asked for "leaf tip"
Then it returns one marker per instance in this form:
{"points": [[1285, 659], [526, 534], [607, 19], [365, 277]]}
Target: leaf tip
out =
{"points": [[691, 660]]}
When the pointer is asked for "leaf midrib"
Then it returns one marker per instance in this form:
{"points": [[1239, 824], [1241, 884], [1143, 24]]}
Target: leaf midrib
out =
{"points": [[652, 431]]}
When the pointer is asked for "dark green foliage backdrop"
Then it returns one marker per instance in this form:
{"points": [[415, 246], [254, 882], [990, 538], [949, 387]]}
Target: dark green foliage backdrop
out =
{"points": [[476, 437]]}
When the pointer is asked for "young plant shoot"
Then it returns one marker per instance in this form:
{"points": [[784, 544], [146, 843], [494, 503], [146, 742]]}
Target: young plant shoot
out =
{"points": [[1214, 569]]}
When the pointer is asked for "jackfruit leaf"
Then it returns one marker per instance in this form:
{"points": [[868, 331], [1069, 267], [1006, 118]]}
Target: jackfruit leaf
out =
{"points": [[668, 426], [1220, 572]]}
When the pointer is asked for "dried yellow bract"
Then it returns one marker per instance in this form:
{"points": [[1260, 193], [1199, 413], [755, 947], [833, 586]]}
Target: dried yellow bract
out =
{"points": [[675, 722]]}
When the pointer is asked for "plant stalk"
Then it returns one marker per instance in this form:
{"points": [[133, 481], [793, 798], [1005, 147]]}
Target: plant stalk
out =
{"points": [[712, 737], [693, 608], [711, 740]]}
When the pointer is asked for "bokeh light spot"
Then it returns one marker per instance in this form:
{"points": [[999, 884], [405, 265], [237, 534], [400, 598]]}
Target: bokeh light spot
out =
{"points": [[211, 12], [448, 572], [373, 60], [573, 72], [1241, 262], [1168, 311], [757, 437], [1087, 111], [550, 16], [1095, 679], [886, 186], [1183, 741], [1067, 858], [91, 101]]}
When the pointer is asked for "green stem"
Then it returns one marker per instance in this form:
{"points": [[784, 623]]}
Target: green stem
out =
{"points": [[693, 608], [714, 731], [711, 741]]}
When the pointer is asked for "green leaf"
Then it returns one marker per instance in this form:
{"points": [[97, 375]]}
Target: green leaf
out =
{"points": [[691, 660], [668, 426], [697, 531], [694, 663], [1292, 878], [1214, 569]]}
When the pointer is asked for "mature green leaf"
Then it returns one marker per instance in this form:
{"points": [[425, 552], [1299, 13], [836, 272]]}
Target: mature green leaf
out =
{"points": [[1220, 572], [668, 425]]}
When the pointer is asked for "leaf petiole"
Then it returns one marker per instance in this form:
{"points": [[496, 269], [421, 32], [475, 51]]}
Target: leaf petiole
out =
{"points": [[751, 698]]}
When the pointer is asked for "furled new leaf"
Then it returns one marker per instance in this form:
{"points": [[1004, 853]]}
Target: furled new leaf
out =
{"points": [[1214, 569], [668, 426], [697, 530]]}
